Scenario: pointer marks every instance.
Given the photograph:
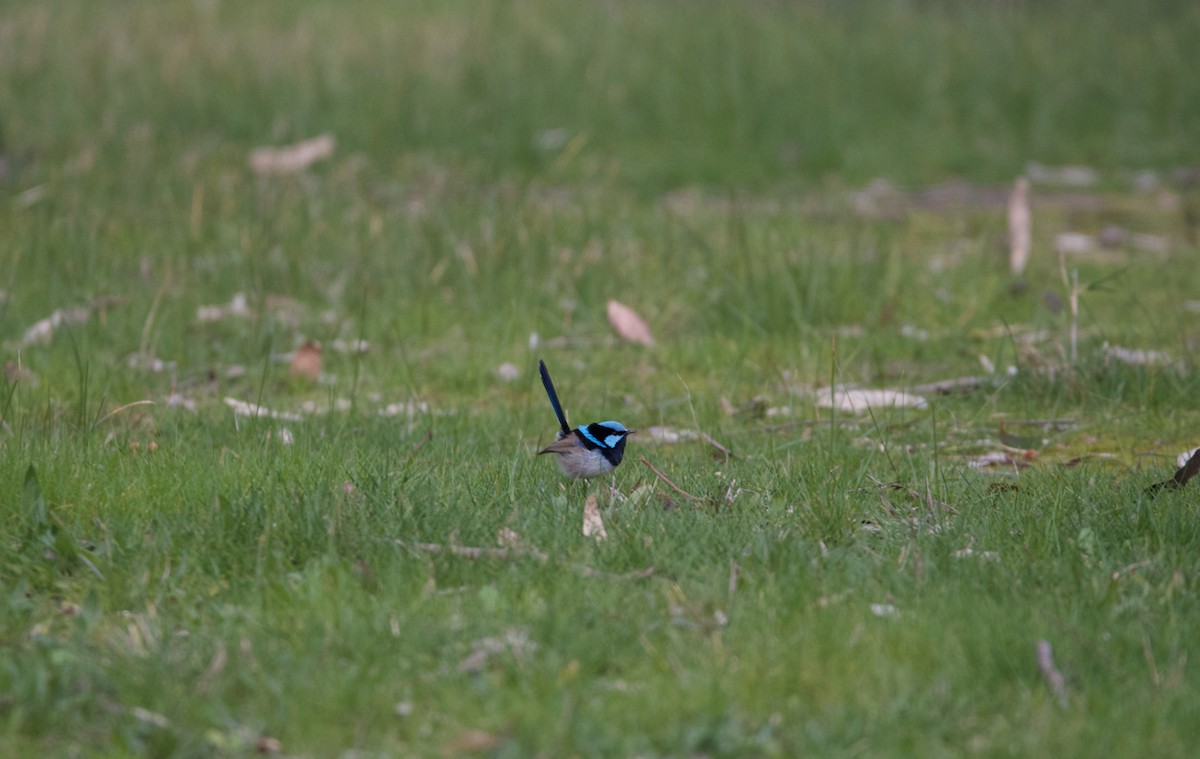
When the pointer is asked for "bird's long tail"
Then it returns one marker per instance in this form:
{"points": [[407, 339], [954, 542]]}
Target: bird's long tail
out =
{"points": [[562, 418]]}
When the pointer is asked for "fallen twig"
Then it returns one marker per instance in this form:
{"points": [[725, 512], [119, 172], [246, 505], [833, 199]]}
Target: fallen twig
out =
{"points": [[667, 480], [953, 385], [1054, 678], [709, 439]]}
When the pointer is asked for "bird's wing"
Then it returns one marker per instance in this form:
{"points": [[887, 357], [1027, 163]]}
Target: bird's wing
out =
{"points": [[568, 443]]}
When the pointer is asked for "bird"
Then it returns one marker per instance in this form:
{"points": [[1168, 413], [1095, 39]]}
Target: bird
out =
{"points": [[588, 451]]}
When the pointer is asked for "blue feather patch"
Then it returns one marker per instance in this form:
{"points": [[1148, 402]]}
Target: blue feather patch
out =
{"points": [[613, 432], [586, 432]]}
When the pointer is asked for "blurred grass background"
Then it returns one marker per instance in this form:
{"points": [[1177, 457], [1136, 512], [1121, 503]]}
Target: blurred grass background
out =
{"points": [[751, 178], [656, 94]]}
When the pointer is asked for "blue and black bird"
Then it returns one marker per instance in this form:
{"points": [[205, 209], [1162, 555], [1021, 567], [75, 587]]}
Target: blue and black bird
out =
{"points": [[588, 451]]}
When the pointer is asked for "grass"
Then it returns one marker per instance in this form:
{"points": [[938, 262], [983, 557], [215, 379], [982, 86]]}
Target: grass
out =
{"points": [[180, 580]]}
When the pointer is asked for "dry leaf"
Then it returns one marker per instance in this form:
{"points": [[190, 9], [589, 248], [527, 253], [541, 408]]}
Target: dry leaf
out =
{"points": [[350, 346], [508, 371], [628, 324], [307, 361], [1136, 356], [859, 401], [244, 408], [1002, 460], [291, 158], [593, 525], [471, 742], [1074, 243], [667, 435], [1020, 237], [268, 745], [16, 372], [405, 408], [238, 306], [42, 331]]}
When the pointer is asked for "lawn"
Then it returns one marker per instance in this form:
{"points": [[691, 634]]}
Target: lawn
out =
{"points": [[268, 481]]}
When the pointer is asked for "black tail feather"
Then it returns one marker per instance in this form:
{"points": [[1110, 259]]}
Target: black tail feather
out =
{"points": [[562, 418]]}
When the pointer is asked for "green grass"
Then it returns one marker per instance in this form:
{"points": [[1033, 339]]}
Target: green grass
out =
{"points": [[177, 580]]}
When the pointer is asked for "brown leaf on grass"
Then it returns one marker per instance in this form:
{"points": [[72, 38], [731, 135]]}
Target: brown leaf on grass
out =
{"points": [[471, 742], [1020, 237], [293, 158], [628, 325], [306, 362], [593, 525], [16, 372], [268, 745]]}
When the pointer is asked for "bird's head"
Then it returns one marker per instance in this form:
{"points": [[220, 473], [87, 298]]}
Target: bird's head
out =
{"points": [[610, 434]]}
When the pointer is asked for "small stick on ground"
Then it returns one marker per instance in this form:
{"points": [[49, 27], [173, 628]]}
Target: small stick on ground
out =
{"points": [[1054, 678], [954, 385], [667, 480], [709, 439]]}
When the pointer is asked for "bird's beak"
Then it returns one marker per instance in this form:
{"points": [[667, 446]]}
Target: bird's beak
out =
{"points": [[629, 432]]}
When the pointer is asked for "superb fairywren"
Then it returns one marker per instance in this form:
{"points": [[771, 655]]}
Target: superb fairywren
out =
{"points": [[588, 451]]}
